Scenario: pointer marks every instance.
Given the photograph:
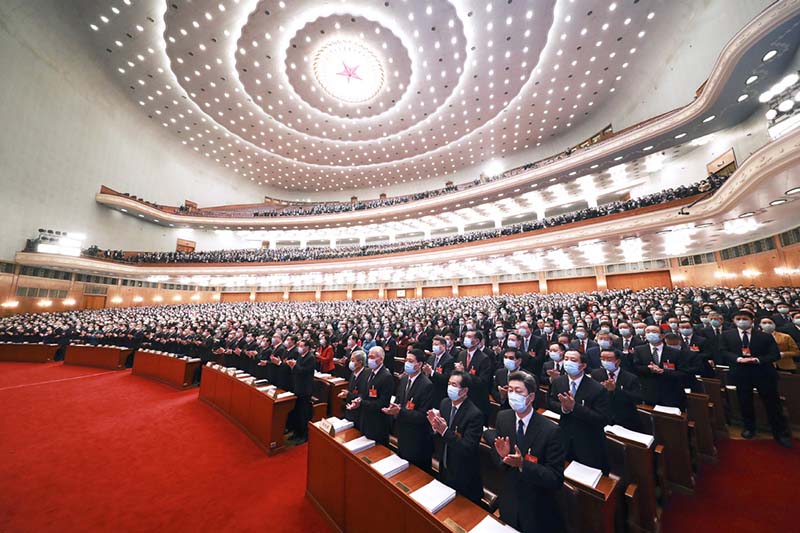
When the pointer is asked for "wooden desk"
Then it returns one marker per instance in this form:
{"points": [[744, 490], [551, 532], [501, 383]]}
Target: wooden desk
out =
{"points": [[159, 366], [27, 353], [335, 406], [672, 432], [594, 508], [259, 415], [340, 482], [110, 357]]}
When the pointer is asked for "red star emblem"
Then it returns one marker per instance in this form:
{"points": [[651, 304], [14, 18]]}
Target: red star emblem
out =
{"points": [[349, 72]]}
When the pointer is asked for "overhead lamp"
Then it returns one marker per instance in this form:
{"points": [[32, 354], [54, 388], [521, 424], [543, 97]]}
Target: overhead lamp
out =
{"points": [[750, 273], [746, 214], [786, 105], [137, 299], [158, 299], [769, 55], [10, 304], [69, 302], [792, 191], [779, 201], [45, 303], [116, 300], [771, 114]]}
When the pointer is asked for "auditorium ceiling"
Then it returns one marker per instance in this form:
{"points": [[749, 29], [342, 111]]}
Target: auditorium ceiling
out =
{"points": [[311, 96]]}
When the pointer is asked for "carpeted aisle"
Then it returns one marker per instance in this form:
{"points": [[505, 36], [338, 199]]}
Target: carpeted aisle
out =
{"points": [[84, 449]]}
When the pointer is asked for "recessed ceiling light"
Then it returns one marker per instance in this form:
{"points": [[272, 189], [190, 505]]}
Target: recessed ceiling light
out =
{"points": [[769, 55], [779, 201], [751, 79], [742, 98], [647, 148], [680, 135], [792, 191], [747, 214], [704, 225], [709, 119]]}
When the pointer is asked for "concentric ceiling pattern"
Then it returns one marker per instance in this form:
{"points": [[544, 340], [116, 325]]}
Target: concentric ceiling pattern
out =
{"points": [[308, 95]]}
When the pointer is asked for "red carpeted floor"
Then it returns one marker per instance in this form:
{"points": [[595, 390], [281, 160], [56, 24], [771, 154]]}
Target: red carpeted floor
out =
{"points": [[87, 450]]}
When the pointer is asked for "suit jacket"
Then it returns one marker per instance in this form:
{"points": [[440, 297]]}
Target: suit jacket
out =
{"points": [[534, 356], [460, 469], [414, 434], [480, 368], [762, 346], [593, 354], [624, 398], [528, 498], [441, 375], [376, 395], [662, 389], [501, 380], [627, 356], [544, 379], [791, 330], [582, 430], [701, 351], [354, 389], [575, 345], [303, 375], [788, 349]]}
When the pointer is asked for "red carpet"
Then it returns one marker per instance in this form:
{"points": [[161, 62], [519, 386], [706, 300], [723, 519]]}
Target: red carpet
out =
{"points": [[112, 451]]}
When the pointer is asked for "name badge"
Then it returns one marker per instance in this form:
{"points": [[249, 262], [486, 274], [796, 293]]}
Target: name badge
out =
{"points": [[410, 405], [694, 348], [439, 370], [669, 366], [472, 371], [355, 392], [373, 392], [532, 458], [746, 351]]}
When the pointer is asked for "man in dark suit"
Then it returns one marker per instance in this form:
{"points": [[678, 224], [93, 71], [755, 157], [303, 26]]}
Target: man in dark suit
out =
{"points": [[512, 362], [529, 450], [700, 350], [459, 425], [438, 368], [476, 363], [713, 333], [661, 370], [625, 343], [584, 408], [751, 355], [792, 328], [357, 383], [554, 366], [282, 374], [624, 390], [532, 347], [582, 342], [414, 398], [302, 370], [375, 396]]}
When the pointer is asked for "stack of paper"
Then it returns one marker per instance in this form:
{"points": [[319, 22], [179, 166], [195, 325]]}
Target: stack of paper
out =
{"points": [[551, 415], [193, 360], [284, 395], [336, 380], [585, 475], [339, 424], [321, 375], [490, 525], [390, 466], [667, 410], [434, 496], [359, 445], [635, 436], [268, 388]]}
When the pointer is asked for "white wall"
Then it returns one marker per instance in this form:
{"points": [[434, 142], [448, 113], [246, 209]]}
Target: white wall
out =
{"points": [[67, 129]]}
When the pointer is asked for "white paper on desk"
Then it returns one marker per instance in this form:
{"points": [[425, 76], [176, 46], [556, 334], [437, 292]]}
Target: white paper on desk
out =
{"points": [[267, 388], [625, 433], [585, 475], [492, 525], [321, 375], [393, 399], [340, 424], [390, 466], [552, 415], [359, 445], [667, 410], [336, 380], [283, 395], [434, 496], [194, 360]]}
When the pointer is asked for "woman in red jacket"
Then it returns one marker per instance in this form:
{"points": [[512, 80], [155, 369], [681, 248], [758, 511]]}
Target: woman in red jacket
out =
{"points": [[325, 355]]}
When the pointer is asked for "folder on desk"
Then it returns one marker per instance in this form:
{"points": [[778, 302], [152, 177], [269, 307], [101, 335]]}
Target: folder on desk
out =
{"points": [[552, 415], [283, 395], [389, 466], [268, 388], [585, 475], [667, 410], [492, 525], [434, 496], [321, 375], [340, 424], [359, 445], [635, 436]]}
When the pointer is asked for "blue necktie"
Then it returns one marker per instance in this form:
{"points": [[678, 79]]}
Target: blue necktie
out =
{"points": [[574, 388], [520, 432]]}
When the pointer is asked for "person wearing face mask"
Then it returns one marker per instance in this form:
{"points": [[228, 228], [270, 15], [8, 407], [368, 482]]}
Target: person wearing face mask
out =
{"points": [[458, 426], [389, 344], [751, 354], [512, 362], [529, 450], [583, 404], [374, 397], [698, 348], [438, 368], [302, 371], [478, 365], [282, 374], [554, 366], [793, 328], [356, 384], [582, 341], [369, 342], [781, 317], [626, 342], [786, 345], [413, 400], [661, 369], [713, 332], [604, 342], [624, 390], [324, 355]]}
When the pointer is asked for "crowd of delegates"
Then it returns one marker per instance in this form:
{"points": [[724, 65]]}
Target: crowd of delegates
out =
{"points": [[262, 255], [597, 355]]}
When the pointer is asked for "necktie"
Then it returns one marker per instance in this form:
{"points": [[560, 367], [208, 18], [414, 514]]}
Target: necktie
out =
{"points": [[408, 388], [627, 344], [453, 410], [612, 375], [718, 331], [745, 340], [686, 340], [656, 358], [574, 388], [520, 432]]}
